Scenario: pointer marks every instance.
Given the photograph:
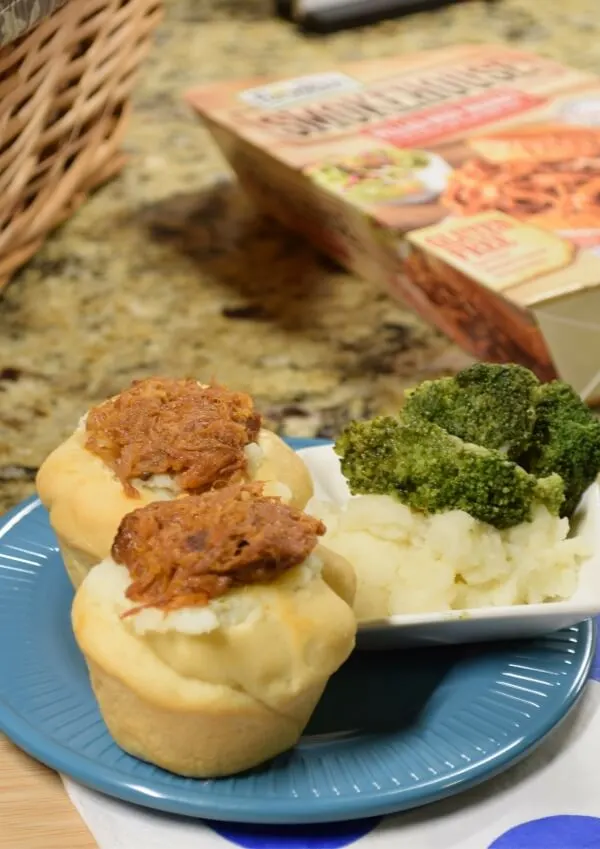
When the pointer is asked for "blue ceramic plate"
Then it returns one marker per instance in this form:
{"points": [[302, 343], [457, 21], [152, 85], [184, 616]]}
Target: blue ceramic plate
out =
{"points": [[393, 730]]}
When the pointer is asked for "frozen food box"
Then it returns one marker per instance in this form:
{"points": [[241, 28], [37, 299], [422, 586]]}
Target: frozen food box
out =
{"points": [[467, 181]]}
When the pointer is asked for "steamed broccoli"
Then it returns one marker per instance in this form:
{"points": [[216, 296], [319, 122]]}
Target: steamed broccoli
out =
{"points": [[565, 441], [432, 471], [487, 404], [491, 441]]}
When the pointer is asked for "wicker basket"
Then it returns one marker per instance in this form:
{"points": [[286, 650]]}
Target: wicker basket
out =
{"points": [[64, 101]]}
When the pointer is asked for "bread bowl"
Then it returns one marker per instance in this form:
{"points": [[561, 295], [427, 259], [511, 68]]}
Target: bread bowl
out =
{"points": [[212, 630], [157, 440]]}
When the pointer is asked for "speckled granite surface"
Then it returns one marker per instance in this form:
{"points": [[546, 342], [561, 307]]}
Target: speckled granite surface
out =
{"points": [[168, 270]]}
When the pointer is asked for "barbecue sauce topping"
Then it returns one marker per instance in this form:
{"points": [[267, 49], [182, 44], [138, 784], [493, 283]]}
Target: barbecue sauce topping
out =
{"points": [[188, 551], [161, 426]]}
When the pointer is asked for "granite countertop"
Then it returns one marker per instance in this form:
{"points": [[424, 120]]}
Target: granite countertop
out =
{"points": [[168, 270]]}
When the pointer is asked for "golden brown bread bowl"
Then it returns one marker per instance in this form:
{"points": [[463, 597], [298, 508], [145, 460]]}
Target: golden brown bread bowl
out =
{"points": [[211, 632], [159, 439]]}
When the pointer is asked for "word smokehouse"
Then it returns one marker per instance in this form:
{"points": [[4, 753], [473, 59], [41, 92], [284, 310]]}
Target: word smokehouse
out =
{"points": [[400, 95]]}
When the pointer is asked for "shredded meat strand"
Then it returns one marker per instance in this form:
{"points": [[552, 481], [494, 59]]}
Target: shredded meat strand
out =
{"points": [[163, 426], [557, 195], [188, 551]]}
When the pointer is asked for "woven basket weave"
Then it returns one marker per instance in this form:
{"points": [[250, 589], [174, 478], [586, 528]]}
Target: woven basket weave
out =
{"points": [[64, 101]]}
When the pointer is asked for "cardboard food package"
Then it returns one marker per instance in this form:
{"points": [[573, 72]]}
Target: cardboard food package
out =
{"points": [[467, 181]]}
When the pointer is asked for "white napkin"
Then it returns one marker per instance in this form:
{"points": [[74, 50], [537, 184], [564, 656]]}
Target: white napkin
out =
{"points": [[509, 812]]}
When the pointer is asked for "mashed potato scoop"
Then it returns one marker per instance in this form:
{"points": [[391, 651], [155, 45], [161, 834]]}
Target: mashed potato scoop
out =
{"points": [[440, 527], [386, 573]]}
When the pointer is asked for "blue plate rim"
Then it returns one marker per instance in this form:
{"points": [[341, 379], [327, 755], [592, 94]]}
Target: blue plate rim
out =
{"points": [[190, 803]]}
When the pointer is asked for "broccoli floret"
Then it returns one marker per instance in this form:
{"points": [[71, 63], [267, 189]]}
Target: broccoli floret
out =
{"points": [[487, 404], [551, 493], [432, 471], [565, 441]]}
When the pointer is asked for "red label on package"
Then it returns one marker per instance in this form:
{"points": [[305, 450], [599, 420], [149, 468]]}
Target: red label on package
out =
{"points": [[451, 118]]}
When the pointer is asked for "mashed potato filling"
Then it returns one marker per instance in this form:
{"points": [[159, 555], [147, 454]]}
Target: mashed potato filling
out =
{"points": [[408, 562], [109, 581]]}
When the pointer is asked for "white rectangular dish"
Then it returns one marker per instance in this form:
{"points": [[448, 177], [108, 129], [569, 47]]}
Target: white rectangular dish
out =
{"points": [[478, 624]]}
